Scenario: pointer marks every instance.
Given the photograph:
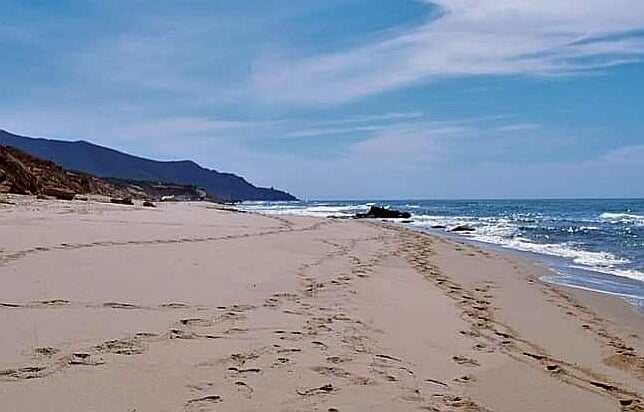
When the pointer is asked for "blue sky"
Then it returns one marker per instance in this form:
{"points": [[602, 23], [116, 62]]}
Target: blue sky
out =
{"points": [[344, 98]]}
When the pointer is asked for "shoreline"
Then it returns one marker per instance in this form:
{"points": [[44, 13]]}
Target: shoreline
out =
{"points": [[587, 247], [633, 302], [190, 307], [609, 305]]}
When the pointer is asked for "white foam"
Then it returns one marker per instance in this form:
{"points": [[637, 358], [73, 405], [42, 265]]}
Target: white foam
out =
{"points": [[588, 228], [502, 232], [627, 218], [561, 279], [315, 210], [622, 273], [602, 262]]}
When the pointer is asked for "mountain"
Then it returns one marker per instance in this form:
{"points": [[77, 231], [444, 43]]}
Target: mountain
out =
{"points": [[105, 162]]}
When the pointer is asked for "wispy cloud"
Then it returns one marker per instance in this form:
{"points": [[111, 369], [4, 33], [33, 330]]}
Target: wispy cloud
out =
{"points": [[465, 38], [518, 127], [378, 117], [359, 125]]}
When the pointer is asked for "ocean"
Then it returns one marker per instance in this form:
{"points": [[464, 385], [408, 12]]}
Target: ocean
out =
{"points": [[589, 244]]}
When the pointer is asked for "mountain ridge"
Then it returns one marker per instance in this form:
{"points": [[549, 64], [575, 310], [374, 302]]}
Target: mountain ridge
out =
{"points": [[87, 157]]}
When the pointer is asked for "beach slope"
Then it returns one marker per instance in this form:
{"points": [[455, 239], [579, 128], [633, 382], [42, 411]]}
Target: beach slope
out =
{"points": [[189, 307]]}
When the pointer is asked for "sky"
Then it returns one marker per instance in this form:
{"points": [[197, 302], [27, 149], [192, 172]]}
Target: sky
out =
{"points": [[344, 99]]}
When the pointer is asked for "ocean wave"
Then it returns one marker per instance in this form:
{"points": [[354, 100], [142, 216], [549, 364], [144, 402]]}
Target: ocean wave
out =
{"points": [[315, 210], [622, 273], [504, 233], [626, 218], [603, 262], [632, 295]]}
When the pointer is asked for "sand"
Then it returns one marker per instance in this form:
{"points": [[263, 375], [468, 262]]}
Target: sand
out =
{"points": [[188, 307]]}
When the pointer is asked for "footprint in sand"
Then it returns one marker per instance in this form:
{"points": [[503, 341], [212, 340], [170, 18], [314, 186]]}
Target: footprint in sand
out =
{"points": [[118, 305], [29, 372], [84, 359], [243, 387], [319, 344], [45, 351], [242, 371], [200, 322], [281, 361], [181, 334], [130, 346], [465, 379], [203, 401], [10, 305], [437, 382], [54, 302], [174, 305], [324, 389], [462, 360], [553, 368]]}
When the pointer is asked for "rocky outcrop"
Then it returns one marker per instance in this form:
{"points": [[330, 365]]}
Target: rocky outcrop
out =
{"points": [[59, 193], [15, 176], [376, 212], [24, 174]]}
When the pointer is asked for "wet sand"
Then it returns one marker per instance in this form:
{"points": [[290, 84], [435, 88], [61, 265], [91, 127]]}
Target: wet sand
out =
{"points": [[187, 307]]}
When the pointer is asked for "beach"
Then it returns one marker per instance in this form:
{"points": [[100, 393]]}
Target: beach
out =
{"points": [[199, 307]]}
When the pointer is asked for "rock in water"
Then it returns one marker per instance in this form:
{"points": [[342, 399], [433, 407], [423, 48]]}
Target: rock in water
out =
{"points": [[376, 212], [462, 228]]}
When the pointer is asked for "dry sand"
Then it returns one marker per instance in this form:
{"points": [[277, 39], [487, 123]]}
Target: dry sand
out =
{"points": [[190, 308]]}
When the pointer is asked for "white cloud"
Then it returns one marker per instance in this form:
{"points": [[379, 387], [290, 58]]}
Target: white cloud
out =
{"points": [[518, 127], [378, 117], [626, 156], [468, 37]]}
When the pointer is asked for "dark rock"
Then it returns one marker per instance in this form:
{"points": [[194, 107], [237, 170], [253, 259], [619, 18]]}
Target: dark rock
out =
{"points": [[125, 201], [59, 193], [148, 204], [376, 212], [462, 228], [439, 227]]}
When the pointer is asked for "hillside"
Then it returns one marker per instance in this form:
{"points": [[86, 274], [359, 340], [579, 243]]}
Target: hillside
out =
{"points": [[22, 173], [105, 162]]}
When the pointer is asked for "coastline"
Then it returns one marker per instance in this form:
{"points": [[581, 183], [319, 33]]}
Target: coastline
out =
{"points": [[551, 269], [186, 307], [613, 306], [590, 244]]}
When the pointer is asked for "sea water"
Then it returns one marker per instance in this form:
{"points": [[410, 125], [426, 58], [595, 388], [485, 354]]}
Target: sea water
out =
{"points": [[589, 244]]}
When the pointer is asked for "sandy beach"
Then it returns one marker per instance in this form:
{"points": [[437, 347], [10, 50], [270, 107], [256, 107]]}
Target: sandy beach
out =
{"points": [[189, 307]]}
